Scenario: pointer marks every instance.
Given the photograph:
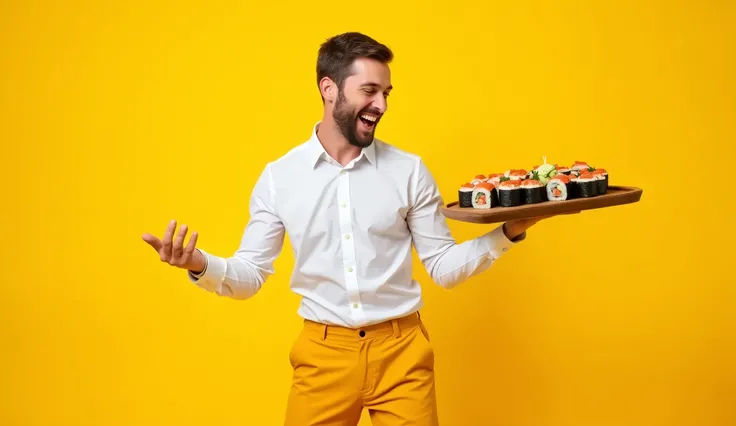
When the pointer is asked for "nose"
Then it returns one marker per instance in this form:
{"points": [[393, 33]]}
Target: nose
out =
{"points": [[379, 102]]}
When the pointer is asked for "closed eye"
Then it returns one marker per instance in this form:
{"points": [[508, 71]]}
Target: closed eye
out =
{"points": [[371, 88]]}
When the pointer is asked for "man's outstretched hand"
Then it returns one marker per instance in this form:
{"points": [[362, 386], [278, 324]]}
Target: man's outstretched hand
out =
{"points": [[172, 251]]}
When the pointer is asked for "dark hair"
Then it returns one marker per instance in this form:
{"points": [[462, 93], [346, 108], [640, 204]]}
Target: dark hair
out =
{"points": [[337, 54]]}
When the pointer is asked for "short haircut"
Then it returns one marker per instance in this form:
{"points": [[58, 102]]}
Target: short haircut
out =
{"points": [[337, 54]]}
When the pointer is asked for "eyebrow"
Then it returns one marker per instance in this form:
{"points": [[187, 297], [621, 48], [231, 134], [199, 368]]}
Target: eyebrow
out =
{"points": [[376, 85]]}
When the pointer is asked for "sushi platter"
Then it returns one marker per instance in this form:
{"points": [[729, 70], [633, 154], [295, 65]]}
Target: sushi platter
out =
{"points": [[548, 189]]}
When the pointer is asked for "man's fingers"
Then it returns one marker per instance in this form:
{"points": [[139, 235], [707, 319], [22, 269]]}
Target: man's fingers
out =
{"points": [[186, 255], [178, 248], [171, 248], [153, 241], [168, 236], [192, 244]]}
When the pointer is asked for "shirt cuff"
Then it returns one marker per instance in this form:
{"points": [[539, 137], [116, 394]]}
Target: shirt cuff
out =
{"points": [[213, 273], [498, 243], [206, 263]]}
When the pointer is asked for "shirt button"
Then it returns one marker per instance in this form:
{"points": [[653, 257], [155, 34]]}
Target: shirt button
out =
{"points": [[344, 205], [350, 269], [505, 248], [355, 305], [347, 237]]}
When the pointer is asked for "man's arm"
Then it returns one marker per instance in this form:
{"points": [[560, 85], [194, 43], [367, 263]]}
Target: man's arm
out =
{"points": [[448, 262], [242, 275]]}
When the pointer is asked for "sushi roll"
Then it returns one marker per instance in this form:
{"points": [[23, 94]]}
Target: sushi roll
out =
{"points": [[465, 195], [586, 185], [478, 179], [562, 170], [509, 193], [602, 177], [580, 166], [515, 174], [559, 188], [494, 179], [484, 196], [572, 189], [532, 192]]}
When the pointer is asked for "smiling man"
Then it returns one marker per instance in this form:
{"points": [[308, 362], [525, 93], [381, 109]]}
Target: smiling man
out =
{"points": [[365, 76], [353, 207]]}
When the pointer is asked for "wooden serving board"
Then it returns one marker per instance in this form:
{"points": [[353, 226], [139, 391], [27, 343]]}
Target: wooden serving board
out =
{"points": [[616, 195]]}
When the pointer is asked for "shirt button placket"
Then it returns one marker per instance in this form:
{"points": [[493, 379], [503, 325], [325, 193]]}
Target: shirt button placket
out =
{"points": [[348, 244]]}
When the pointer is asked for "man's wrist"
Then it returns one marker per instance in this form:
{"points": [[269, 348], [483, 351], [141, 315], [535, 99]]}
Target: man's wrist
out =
{"points": [[199, 263], [510, 231]]}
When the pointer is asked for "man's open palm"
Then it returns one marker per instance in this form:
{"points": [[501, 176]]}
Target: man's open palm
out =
{"points": [[172, 250]]}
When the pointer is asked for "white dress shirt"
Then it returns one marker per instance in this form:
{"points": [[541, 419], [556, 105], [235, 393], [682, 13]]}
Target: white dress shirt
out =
{"points": [[352, 229]]}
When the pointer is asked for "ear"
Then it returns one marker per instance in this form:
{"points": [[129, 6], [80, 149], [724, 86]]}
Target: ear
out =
{"points": [[328, 88]]}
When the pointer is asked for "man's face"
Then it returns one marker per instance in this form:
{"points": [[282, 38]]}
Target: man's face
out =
{"points": [[362, 101]]}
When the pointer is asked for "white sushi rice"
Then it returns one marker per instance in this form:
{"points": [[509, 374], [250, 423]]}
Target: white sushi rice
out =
{"points": [[556, 184], [477, 192]]}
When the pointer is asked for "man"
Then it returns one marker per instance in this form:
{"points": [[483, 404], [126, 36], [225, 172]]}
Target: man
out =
{"points": [[353, 207]]}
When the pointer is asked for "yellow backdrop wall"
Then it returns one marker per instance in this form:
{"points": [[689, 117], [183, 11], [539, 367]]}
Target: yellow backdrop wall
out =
{"points": [[116, 118]]}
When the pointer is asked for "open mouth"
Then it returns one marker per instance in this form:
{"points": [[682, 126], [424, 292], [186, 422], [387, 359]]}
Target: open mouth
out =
{"points": [[368, 120]]}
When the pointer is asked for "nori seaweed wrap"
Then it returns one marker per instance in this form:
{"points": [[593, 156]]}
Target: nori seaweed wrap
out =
{"points": [[532, 192], [602, 180], [509, 193], [465, 195], [587, 185]]}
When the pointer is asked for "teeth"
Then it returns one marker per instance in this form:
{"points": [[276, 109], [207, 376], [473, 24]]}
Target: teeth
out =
{"points": [[369, 117]]}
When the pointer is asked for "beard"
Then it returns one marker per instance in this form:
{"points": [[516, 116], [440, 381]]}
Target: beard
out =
{"points": [[348, 120]]}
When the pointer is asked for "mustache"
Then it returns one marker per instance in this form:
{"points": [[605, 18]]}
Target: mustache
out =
{"points": [[370, 111]]}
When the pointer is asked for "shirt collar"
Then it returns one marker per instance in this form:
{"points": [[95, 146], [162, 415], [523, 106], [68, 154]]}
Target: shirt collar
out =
{"points": [[317, 151]]}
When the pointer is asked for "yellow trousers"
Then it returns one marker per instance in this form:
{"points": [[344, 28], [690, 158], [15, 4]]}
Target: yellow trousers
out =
{"points": [[387, 368]]}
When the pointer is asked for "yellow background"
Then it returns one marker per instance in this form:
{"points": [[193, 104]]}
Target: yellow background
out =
{"points": [[117, 117]]}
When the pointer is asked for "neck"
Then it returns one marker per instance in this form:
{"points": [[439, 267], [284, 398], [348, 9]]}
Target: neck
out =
{"points": [[335, 144]]}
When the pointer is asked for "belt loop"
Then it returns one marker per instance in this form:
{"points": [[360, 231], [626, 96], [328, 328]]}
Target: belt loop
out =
{"points": [[397, 329], [324, 332]]}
